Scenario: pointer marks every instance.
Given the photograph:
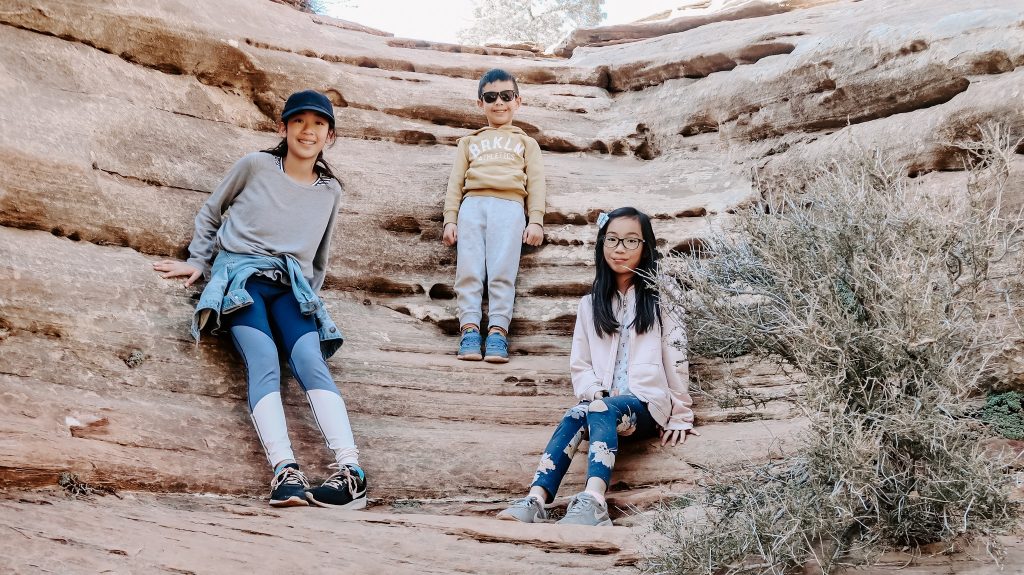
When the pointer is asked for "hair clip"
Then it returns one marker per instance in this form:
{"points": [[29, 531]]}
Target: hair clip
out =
{"points": [[602, 219]]}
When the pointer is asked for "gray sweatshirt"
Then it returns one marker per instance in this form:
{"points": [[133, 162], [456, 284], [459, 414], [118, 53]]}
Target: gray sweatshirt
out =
{"points": [[259, 210]]}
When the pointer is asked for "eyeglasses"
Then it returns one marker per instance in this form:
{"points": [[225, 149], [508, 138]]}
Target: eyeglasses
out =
{"points": [[505, 95], [612, 242]]}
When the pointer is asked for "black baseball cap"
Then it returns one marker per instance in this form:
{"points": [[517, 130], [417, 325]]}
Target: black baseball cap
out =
{"points": [[308, 100]]}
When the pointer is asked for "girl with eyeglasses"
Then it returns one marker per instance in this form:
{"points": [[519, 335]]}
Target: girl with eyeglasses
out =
{"points": [[630, 377]]}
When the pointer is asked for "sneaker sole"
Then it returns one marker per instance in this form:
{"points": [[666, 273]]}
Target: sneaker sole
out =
{"points": [[470, 357], [605, 523], [354, 504], [514, 518], [496, 359], [293, 501]]}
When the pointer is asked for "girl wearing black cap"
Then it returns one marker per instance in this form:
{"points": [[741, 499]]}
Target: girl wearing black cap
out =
{"points": [[265, 265]]}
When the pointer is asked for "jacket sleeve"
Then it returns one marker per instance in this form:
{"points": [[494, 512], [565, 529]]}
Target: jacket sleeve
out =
{"points": [[536, 188], [456, 181], [323, 252], [677, 372], [585, 383], [210, 215]]}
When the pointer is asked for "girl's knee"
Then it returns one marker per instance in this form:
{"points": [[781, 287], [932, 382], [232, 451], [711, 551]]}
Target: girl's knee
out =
{"points": [[308, 365], [312, 376], [306, 348], [602, 417], [598, 406], [601, 414], [575, 413]]}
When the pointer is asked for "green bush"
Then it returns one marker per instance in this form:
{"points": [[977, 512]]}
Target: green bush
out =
{"points": [[1004, 412]]}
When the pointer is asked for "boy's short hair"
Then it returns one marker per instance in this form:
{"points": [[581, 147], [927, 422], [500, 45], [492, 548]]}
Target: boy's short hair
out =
{"points": [[494, 75]]}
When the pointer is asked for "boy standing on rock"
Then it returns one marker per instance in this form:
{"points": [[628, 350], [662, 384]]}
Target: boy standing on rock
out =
{"points": [[497, 182]]}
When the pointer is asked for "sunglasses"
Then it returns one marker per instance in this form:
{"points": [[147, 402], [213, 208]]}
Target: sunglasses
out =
{"points": [[505, 95]]}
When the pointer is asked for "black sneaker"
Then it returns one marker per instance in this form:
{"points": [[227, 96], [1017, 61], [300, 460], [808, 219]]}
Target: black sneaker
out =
{"points": [[288, 488], [346, 489]]}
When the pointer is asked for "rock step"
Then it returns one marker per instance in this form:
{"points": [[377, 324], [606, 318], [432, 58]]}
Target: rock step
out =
{"points": [[200, 534], [197, 534], [108, 384]]}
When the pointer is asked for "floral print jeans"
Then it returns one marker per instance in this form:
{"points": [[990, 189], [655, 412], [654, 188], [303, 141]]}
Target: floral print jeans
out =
{"points": [[604, 420]]}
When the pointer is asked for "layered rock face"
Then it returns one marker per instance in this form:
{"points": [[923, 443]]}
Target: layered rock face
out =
{"points": [[120, 118]]}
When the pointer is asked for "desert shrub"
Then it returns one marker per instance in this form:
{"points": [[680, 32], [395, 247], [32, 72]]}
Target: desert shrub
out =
{"points": [[892, 306], [1005, 413]]}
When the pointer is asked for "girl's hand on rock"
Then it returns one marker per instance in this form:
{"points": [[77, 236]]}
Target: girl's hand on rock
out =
{"points": [[676, 436], [175, 268]]}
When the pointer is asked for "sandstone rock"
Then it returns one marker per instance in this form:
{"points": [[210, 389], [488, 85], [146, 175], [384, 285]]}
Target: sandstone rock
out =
{"points": [[120, 118], [671, 23], [347, 25], [69, 328], [176, 534]]}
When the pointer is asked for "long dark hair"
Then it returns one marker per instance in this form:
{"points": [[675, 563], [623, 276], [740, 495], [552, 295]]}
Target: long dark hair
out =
{"points": [[605, 288], [321, 167]]}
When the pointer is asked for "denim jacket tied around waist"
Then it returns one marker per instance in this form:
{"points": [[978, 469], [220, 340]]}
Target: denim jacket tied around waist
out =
{"points": [[225, 293]]}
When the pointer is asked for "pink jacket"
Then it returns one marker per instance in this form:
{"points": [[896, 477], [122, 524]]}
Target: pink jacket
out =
{"points": [[659, 373]]}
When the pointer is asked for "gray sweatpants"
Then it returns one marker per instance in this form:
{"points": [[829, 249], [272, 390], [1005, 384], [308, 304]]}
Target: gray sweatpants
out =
{"points": [[489, 243]]}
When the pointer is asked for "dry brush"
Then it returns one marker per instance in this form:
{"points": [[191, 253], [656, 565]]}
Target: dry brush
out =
{"points": [[892, 307]]}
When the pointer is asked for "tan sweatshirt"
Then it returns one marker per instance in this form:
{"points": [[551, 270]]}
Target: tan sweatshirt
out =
{"points": [[499, 162]]}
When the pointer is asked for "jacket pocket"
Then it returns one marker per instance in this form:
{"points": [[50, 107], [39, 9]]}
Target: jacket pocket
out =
{"points": [[648, 376], [645, 350], [647, 381]]}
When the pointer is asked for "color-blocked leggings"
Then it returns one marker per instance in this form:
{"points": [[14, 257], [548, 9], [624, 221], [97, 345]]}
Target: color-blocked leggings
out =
{"points": [[605, 419], [273, 324]]}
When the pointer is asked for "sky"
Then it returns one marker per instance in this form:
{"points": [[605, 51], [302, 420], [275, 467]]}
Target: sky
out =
{"points": [[440, 20]]}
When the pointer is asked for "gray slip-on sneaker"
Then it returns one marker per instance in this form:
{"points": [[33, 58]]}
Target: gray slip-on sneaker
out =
{"points": [[585, 509], [526, 510]]}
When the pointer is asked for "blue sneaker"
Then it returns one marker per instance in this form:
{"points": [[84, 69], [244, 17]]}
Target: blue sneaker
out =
{"points": [[496, 348], [288, 489], [345, 489], [469, 345]]}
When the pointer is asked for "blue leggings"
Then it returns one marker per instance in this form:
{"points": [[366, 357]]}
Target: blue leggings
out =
{"points": [[264, 331], [604, 419]]}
